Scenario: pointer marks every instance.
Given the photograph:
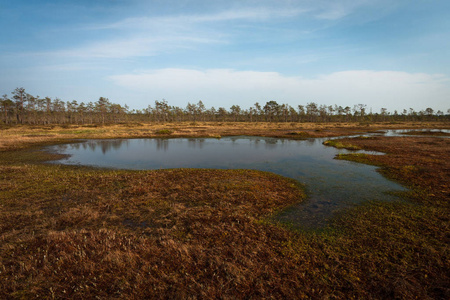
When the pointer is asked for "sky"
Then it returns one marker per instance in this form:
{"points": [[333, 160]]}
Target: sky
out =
{"points": [[392, 54]]}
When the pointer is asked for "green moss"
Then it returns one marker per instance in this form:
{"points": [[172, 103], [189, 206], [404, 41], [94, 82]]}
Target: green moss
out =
{"points": [[164, 131], [340, 145]]}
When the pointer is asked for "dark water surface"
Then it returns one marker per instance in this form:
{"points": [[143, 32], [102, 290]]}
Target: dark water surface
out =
{"points": [[332, 185]]}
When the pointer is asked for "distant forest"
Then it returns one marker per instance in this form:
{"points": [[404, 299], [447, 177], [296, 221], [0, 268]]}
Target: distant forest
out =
{"points": [[23, 108]]}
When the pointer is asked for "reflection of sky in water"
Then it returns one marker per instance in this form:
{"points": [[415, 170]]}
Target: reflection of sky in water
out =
{"points": [[331, 184]]}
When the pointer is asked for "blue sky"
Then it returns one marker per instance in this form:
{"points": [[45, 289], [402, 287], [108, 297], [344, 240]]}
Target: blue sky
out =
{"points": [[393, 54]]}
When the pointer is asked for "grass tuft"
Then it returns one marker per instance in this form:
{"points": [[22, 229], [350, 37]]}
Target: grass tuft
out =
{"points": [[339, 145], [164, 131]]}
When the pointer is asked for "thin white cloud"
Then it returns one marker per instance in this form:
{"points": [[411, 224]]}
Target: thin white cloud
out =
{"points": [[138, 46], [247, 14], [149, 36], [222, 87], [334, 10], [320, 9]]}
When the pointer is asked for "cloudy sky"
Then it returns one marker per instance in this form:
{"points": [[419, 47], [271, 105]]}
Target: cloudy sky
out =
{"points": [[383, 53]]}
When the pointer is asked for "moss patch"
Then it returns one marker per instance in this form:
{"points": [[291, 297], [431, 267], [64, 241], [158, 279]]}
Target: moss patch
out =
{"points": [[340, 145]]}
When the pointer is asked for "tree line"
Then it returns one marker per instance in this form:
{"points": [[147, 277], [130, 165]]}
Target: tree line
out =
{"points": [[24, 108]]}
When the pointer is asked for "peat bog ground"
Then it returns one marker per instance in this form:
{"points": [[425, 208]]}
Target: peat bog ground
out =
{"points": [[78, 232]]}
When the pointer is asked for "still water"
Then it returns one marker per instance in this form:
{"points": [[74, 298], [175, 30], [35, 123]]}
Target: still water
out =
{"points": [[332, 185]]}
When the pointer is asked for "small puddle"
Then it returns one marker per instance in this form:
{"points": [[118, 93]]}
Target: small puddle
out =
{"points": [[332, 185]]}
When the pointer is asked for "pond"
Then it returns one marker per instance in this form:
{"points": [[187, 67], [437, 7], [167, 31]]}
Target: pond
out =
{"points": [[332, 185]]}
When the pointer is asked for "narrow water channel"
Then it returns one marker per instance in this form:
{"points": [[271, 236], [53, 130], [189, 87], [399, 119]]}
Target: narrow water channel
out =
{"points": [[332, 185]]}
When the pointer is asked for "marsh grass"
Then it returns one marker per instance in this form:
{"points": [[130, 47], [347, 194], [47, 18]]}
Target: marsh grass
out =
{"points": [[339, 145], [164, 131], [427, 132], [20, 136], [78, 232]]}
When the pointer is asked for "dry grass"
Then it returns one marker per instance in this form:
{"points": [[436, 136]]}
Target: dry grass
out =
{"points": [[75, 232], [22, 136], [100, 233], [422, 163]]}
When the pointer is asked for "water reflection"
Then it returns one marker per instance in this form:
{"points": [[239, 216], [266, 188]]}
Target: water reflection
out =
{"points": [[196, 143], [331, 184], [162, 145], [105, 146]]}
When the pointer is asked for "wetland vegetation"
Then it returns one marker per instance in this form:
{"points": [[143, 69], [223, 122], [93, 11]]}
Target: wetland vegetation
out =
{"points": [[332, 185], [82, 232]]}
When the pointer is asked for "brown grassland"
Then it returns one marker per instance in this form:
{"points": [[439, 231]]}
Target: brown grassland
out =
{"points": [[81, 233], [20, 136]]}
